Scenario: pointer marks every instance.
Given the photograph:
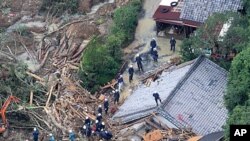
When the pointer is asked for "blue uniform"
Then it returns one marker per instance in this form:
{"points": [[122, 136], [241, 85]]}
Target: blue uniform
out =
{"points": [[99, 110], [72, 136], [35, 135], [51, 138], [157, 97], [116, 96], [139, 63], [131, 73], [155, 55], [106, 106]]}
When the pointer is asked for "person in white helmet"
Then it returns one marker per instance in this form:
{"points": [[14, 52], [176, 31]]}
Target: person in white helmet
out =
{"points": [[155, 54], [157, 97], [99, 117], [116, 96], [99, 110], [35, 134], [87, 121], [120, 83], [51, 137], [102, 126], [138, 60], [106, 105], [153, 45], [131, 73]]}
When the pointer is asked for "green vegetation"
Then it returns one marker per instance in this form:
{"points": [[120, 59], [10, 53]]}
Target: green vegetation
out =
{"points": [[237, 98], [103, 56], [13, 80], [206, 38], [58, 7]]}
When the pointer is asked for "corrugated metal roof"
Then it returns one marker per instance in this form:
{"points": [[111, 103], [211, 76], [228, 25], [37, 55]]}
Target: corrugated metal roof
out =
{"points": [[197, 101], [200, 10]]}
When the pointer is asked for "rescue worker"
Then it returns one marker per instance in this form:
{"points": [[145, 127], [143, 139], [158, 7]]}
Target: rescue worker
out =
{"points": [[51, 137], [72, 135], [86, 131], [35, 134], [87, 121], [106, 135], [83, 130], [139, 62], [98, 127], [102, 126], [131, 73], [157, 97], [153, 45], [120, 83], [172, 44], [99, 117], [155, 54], [116, 96], [99, 109], [106, 105]]}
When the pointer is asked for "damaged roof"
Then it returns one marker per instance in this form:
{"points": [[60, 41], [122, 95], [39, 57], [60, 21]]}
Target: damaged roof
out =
{"points": [[200, 10], [192, 97], [197, 101], [141, 103]]}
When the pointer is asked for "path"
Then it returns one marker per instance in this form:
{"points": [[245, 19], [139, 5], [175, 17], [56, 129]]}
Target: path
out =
{"points": [[145, 31]]}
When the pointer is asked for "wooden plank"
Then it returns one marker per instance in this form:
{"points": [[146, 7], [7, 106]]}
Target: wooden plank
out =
{"points": [[35, 76]]}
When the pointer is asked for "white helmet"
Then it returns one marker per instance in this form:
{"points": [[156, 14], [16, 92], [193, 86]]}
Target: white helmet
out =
{"points": [[84, 127], [103, 123], [50, 134], [106, 99], [99, 114], [35, 129], [137, 55], [70, 131], [87, 117], [131, 66], [154, 49], [96, 121], [120, 75], [113, 91], [100, 106], [153, 38], [117, 90]]}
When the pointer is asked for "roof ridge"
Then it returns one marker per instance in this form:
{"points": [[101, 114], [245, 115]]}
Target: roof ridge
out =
{"points": [[185, 77], [141, 111]]}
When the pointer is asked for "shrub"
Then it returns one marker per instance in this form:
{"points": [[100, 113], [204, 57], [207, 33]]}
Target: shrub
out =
{"points": [[103, 57]]}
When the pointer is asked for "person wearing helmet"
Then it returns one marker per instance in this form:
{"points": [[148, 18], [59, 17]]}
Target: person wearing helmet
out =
{"points": [[120, 83], [155, 54], [106, 105], [157, 97], [172, 44], [106, 135], [71, 135], [99, 117], [87, 121], [98, 127], [116, 96], [99, 110], [51, 137], [131, 73], [138, 60], [35, 134], [153, 45], [102, 126]]}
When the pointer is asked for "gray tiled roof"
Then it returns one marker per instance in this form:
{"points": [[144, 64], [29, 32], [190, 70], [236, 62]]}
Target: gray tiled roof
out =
{"points": [[200, 10], [198, 98], [142, 102]]}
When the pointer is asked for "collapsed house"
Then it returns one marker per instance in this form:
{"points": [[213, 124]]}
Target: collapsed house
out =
{"points": [[187, 15], [192, 95]]}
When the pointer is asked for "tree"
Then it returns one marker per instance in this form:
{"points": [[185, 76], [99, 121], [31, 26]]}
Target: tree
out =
{"points": [[206, 37], [97, 66], [238, 90], [239, 116]]}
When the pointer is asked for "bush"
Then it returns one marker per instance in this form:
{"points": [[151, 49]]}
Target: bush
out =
{"points": [[239, 79], [103, 56]]}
